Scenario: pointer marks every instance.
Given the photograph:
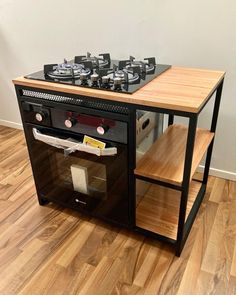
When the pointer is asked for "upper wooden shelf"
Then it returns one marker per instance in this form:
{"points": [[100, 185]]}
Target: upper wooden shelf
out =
{"points": [[165, 159], [182, 89]]}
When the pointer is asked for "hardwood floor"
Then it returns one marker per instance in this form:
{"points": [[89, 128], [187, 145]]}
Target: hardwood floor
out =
{"points": [[53, 250]]}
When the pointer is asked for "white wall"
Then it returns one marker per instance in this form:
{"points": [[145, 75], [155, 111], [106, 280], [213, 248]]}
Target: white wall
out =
{"points": [[185, 33]]}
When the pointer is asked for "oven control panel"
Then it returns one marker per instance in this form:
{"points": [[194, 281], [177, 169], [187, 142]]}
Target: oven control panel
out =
{"points": [[91, 125]]}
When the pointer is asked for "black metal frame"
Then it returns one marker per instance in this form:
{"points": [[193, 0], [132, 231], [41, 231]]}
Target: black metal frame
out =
{"points": [[184, 226]]}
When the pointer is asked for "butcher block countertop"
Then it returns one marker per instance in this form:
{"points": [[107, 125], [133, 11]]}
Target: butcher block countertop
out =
{"points": [[182, 89]]}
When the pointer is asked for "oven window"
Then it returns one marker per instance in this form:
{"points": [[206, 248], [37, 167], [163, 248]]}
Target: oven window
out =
{"points": [[82, 175], [81, 180]]}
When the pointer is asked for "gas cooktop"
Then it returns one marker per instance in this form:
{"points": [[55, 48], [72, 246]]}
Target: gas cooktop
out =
{"points": [[101, 72]]}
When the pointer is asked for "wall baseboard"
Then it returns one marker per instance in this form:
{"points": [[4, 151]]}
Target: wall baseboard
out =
{"points": [[219, 173], [11, 124]]}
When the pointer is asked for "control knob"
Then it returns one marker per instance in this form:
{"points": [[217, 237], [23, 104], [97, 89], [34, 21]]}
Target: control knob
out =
{"points": [[39, 116], [83, 78], [70, 122], [117, 83], [105, 82], [102, 129], [94, 78]]}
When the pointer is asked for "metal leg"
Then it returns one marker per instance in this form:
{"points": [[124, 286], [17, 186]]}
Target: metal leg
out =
{"points": [[132, 165], [213, 129], [186, 178], [192, 214], [170, 119]]}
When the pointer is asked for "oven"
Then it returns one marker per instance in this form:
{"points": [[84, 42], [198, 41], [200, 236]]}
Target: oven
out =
{"points": [[71, 173]]}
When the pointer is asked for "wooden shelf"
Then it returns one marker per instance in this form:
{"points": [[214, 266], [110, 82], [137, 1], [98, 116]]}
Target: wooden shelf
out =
{"points": [[165, 159], [158, 210]]}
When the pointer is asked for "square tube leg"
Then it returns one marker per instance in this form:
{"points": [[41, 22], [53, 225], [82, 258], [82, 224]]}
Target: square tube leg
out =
{"points": [[170, 119], [213, 129], [186, 179]]}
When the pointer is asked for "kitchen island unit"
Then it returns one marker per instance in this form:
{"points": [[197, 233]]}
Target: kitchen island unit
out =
{"points": [[168, 211]]}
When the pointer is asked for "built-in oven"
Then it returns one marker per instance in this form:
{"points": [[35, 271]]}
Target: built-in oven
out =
{"points": [[74, 174]]}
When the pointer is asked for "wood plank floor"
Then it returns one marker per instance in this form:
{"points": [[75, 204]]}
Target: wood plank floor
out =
{"points": [[52, 250]]}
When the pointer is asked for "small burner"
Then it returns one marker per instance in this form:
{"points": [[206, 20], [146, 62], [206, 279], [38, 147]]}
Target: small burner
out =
{"points": [[145, 67], [98, 62]]}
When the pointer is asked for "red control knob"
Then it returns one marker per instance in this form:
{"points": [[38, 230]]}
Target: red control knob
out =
{"points": [[70, 122], [102, 129]]}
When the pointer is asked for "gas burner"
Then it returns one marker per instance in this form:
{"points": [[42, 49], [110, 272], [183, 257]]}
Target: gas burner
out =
{"points": [[143, 66], [102, 61], [147, 66], [66, 70], [127, 75]]}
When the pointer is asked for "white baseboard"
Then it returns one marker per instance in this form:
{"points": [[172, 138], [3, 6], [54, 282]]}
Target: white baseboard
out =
{"points": [[11, 124], [219, 173]]}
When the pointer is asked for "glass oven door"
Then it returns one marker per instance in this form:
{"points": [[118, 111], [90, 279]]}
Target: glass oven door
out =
{"points": [[80, 179]]}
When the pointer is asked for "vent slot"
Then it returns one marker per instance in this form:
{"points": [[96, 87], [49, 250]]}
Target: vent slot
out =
{"points": [[76, 101]]}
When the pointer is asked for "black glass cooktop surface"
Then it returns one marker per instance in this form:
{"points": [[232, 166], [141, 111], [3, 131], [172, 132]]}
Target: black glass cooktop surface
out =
{"points": [[117, 76]]}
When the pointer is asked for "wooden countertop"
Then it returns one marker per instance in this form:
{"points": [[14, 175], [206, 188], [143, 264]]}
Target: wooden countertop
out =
{"points": [[183, 89]]}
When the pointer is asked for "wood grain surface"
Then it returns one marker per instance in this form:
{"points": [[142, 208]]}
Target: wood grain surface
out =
{"points": [[53, 250], [184, 89], [158, 211], [165, 159]]}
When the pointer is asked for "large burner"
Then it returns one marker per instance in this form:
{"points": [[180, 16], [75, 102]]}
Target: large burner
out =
{"points": [[67, 70]]}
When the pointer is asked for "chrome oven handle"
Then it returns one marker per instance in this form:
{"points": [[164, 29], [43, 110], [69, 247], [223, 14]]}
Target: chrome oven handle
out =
{"points": [[70, 146]]}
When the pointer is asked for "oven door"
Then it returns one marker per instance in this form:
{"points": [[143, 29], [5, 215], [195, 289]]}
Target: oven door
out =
{"points": [[79, 179]]}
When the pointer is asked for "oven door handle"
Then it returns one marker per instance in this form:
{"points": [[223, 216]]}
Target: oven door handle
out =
{"points": [[69, 145]]}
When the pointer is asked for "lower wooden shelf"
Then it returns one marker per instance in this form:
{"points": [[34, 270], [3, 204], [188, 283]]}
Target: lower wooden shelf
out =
{"points": [[158, 209]]}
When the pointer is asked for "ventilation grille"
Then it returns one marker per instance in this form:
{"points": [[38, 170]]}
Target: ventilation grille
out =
{"points": [[76, 101]]}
